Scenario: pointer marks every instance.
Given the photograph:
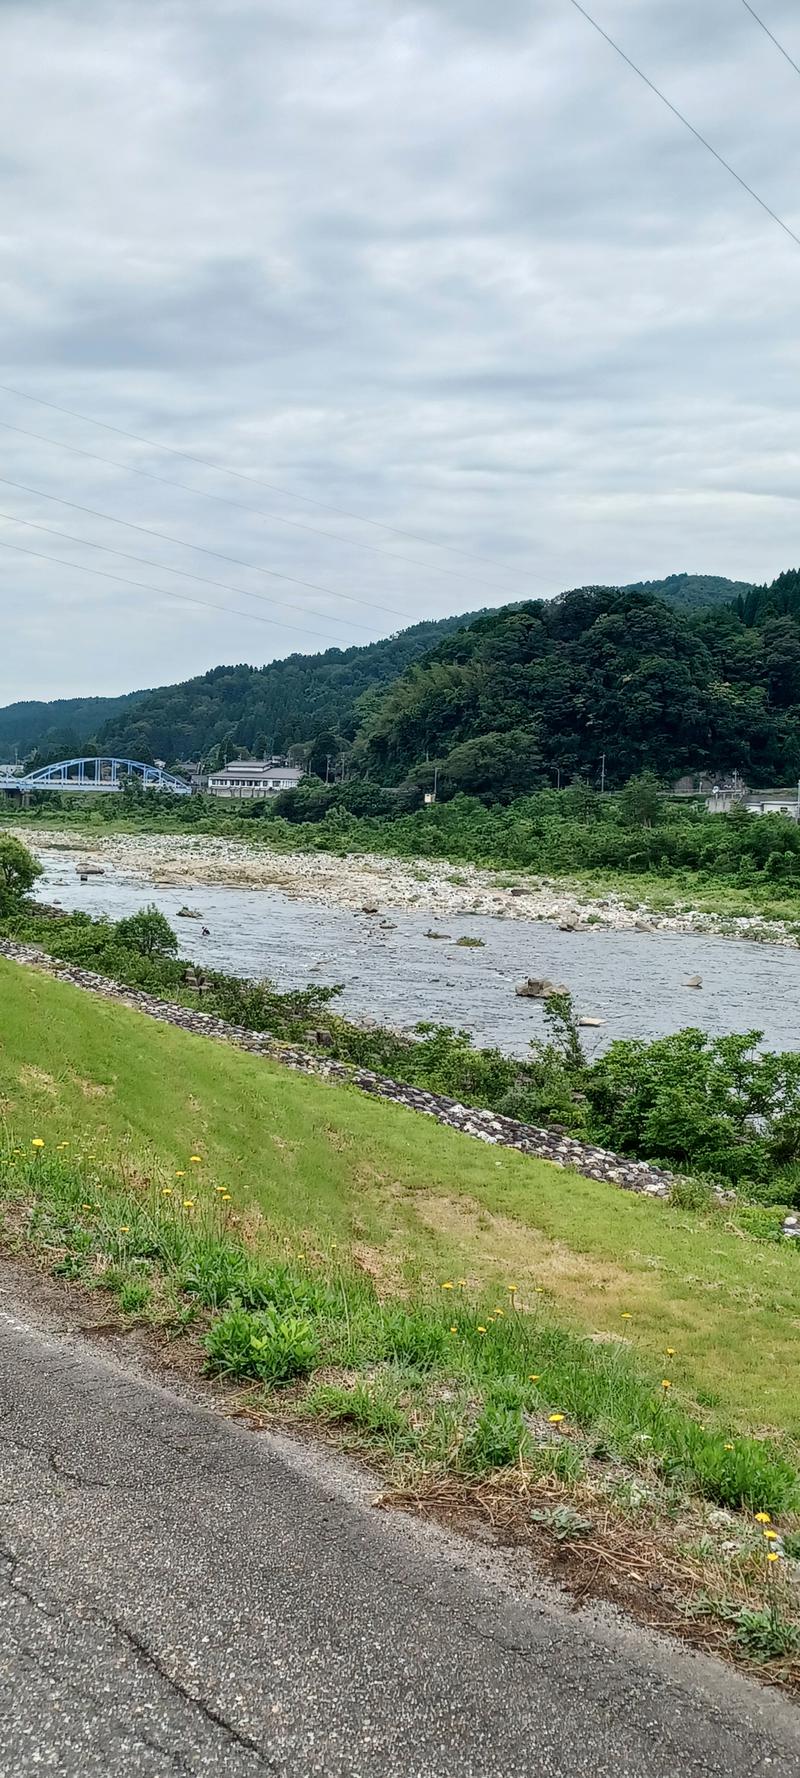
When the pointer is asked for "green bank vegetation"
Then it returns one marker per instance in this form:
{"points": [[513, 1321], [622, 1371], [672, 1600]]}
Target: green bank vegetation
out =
{"points": [[716, 1108], [463, 1314]]}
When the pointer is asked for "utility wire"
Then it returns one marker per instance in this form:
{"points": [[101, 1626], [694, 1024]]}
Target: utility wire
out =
{"points": [[185, 574], [256, 481], [687, 125], [182, 542], [166, 592], [771, 34], [255, 511]]}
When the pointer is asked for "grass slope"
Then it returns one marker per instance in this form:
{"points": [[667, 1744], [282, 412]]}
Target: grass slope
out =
{"points": [[414, 1203]]}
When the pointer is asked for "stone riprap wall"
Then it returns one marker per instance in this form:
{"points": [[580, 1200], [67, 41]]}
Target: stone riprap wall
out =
{"points": [[487, 1126]]}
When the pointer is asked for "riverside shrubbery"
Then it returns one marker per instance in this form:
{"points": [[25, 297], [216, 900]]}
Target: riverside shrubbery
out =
{"points": [[717, 1107]]}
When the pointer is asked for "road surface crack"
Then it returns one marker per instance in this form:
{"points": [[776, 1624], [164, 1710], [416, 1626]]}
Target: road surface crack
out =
{"points": [[147, 1655]]}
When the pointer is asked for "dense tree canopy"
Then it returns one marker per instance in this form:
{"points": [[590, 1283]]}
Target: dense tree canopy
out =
{"points": [[601, 672]]}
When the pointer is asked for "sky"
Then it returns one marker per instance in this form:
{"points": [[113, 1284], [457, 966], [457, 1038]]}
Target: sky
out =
{"points": [[468, 312]]}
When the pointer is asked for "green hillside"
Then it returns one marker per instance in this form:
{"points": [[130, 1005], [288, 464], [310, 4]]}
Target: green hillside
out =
{"points": [[60, 727], [599, 674]]}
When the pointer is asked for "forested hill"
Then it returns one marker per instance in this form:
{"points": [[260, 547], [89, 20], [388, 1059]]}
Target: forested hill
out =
{"points": [[689, 592], [61, 727], [553, 686], [285, 702], [268, 709]]}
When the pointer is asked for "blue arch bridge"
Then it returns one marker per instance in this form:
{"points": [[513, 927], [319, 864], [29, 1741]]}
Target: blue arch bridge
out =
{"points": [[95, 775]]}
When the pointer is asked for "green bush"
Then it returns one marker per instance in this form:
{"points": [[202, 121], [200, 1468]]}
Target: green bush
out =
{"points": [[262, 1344]]}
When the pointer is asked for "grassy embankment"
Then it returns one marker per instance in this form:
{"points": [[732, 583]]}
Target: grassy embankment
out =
{"points": [[465, 1312], [419, 1204]]}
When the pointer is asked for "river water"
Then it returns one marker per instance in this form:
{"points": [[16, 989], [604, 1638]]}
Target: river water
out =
{"points": [[395, 975]]}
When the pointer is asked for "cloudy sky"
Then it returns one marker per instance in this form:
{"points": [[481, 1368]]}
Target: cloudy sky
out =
{"points": [[446, 265]]}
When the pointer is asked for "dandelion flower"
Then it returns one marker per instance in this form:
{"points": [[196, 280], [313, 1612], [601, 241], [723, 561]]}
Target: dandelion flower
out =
{"points": [[180, 1173], [447, 1285], [772, 1556], [626, 1315], [220, 1188], [498, 1311], [535, 1377], [555, 1419], [763, 1519], [37, 1142], [166, 1191], [670, 1351], [125, 1229], [188, 1203], [454, 1330], [771, 1535], [226, 1199], [512, 1289], [196, 1159], [665, 1383], [729, 1447], [481, 1330], [462, 1283]]}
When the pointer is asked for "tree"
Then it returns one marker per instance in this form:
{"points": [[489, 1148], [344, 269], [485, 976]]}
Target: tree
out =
{"points": [[641, 802], [148, 932], [503, 765], [18, 872]]}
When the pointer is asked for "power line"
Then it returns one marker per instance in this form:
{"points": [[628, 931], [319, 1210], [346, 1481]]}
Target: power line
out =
{"points": [[164, 568], [256, 481], [238, 562], [771, 34], [165, 592], [687, 125]]}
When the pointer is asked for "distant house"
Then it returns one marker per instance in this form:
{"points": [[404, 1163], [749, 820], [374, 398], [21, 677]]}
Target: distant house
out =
{"points": [[249, 778], [783, 801]]}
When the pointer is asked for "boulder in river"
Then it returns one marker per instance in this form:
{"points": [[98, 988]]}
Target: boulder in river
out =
{"points": [[188, 914], [539, 988], [370, 907], [431, 934], [590, 1023], [693, 981], [568, 924]]}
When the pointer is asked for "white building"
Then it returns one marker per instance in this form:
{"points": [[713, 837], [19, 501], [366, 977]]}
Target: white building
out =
{"points": [[250, 778], [784, 801]]}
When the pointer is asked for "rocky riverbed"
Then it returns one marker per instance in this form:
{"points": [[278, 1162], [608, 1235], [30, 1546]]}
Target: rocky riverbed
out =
{"points": [[368, 881]]}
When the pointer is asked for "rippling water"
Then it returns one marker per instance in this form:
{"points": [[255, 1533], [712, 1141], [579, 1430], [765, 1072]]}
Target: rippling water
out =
{"points": [[397, 976]]}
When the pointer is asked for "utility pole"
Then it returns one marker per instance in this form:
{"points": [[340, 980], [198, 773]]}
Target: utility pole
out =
{"points": [[602, 775]]}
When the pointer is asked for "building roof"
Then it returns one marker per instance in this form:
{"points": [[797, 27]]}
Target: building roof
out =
{"points": [[255, 769]]}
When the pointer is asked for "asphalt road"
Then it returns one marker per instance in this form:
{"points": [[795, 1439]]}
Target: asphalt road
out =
{"points": [[180, 1596]]}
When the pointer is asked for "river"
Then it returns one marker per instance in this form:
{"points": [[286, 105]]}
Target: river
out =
{"points": [[393, 973]]}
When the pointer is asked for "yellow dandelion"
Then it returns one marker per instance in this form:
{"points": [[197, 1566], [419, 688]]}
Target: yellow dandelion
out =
{"points": [[500, 1312], [729, 1447], [763, 1518], [665, 1383], [447, 1285], [462, 1283], [196, 1159], [166, 1191], [481, 1330], [188, 1203], [626, 1315], [220, 1188], [771, 1535], [125, 1229], [37, 1142], [670, 1351], [226, 1199], [555, 1419], [772, 1556], [512, 1289], [535, 1377], [454, 1330], [180, 1172]]}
